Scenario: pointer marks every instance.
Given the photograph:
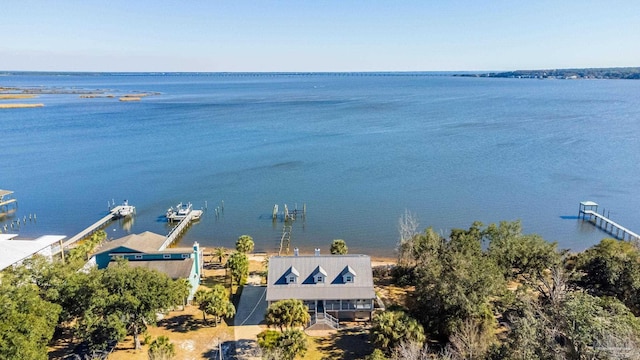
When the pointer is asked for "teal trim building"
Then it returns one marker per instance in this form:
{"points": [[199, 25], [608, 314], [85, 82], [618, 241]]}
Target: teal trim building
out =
{"points": [[142, 250]]}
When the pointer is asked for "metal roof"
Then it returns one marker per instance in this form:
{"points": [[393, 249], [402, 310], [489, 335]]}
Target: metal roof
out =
{"points": [[293, 271], [350, 270], [175, 269], [5, 192], [145, 242], [588, 203], [320, 270], [333, 288], [14, 251]]}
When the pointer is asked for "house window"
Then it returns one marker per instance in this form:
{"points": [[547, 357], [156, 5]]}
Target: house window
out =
{"points": [[363, 304], [186, 256], [166, 256], [138, 257], [348, 279], [292, 279], [319, 279]]}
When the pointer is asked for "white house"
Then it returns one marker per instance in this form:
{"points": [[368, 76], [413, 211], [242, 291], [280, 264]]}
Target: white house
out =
{"points": [[14, 250], [340, 286]]}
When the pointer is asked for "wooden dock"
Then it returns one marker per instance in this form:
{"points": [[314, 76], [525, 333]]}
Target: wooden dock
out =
{"points": [[179, 229], [285, 240], [589, 211], [6, 199], [113, 213], [287, 214], [287, 217]]}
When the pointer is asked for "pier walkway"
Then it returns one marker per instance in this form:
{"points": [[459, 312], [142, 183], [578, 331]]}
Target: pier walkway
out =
{"points": [[182, 225], [589, 211], [113, 213]]}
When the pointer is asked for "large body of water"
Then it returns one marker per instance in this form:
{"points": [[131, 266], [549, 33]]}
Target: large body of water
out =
{"points": [[357, 149]]}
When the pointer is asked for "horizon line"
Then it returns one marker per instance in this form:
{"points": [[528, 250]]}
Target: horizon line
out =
{"points": [[311, 72]]}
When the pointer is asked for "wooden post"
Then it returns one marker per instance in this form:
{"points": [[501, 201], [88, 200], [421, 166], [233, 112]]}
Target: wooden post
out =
{"points": [[62, 251]]}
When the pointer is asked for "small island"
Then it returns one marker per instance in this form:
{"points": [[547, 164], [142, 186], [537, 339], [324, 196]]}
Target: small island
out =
{"points": [[20, 106], [12, 96], [25, 93]]}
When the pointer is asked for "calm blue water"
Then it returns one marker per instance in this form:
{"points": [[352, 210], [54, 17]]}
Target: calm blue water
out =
{"points": [[357, 149]]}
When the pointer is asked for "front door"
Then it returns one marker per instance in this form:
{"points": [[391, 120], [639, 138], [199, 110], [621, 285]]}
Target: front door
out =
{"points": [[320, 306]]}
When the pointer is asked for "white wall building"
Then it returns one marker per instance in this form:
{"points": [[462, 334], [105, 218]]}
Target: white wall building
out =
{"points": [[13, 251]]}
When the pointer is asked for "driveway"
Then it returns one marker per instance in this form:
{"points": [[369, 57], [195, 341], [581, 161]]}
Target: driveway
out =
{"points": [[249, 314]]}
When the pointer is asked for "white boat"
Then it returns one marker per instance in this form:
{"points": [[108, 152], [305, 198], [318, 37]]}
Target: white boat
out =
{"points": [[179, 212], [125, 210]]}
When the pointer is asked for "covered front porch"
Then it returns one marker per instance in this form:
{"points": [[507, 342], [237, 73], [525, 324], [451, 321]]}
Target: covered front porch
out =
{"points": [[342, 309]]}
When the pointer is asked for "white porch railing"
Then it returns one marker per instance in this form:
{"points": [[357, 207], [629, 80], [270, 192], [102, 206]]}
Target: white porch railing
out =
{"points": [[324, 318]]}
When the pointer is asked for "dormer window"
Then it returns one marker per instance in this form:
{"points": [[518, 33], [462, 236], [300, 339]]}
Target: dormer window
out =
{"points": [[292, 275], [319, 274], [348, 275]]}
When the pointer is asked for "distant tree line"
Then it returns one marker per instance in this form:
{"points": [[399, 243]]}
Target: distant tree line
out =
{"points": [[630, 73]]}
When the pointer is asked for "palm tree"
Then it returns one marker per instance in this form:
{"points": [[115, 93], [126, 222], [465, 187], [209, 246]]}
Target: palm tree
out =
{"points": [[339, 247], [391, 328], [245, 244], [287, 314], [161, 349], [220, 253], [215, 302]]}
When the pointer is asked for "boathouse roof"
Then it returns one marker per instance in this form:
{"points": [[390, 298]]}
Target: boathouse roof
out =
{"points": [[5, 192], [588, 203]]}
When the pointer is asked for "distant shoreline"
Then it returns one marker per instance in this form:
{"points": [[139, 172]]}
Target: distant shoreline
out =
{"points": [[629, 73], [632, 73]]}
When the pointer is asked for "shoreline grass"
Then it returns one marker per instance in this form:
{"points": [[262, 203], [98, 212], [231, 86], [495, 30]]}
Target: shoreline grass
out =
{"points": [[19, 106], [130, 98], [16, 96]]}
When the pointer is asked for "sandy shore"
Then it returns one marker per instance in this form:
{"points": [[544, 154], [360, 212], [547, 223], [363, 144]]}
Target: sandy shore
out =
{"points": [[16, 96], [375, 260], [130, 98], [19, 106]]}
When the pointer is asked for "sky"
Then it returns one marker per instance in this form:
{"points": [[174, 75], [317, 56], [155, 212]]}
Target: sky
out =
{"points": [[332, 35]]}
